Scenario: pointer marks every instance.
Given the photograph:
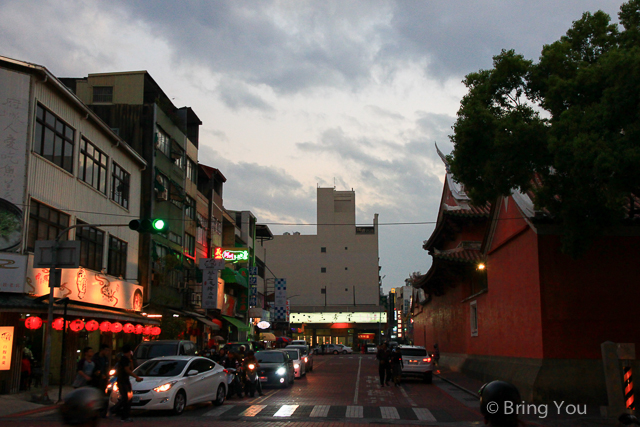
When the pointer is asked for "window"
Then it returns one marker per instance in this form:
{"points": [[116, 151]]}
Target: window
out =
{"points": [[162, 187], [192, 171], [474, 318], [323, 250], [117, 263], [175, 238], [53, 139], [177, 155], [92, 246], [92, 166], [190, 208], [323, 269], [163, 142], [103, 94], [45, 223], [201, 230], [120, 186], [190, 245], [217, 226]]}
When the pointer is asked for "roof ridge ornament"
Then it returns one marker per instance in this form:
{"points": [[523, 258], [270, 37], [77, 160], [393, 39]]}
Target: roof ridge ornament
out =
{"points": [[444, 158]]}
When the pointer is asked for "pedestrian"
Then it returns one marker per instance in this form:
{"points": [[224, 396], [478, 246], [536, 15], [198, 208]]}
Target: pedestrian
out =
{"points": [[396, 366], [436, 354], [101, 373], [124, 369], [383, 364], [493, 403], [84, 369], [25, 372]]}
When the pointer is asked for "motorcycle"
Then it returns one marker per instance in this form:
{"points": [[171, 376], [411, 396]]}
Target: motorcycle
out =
{"points": [[251, 379], [234, 382]]}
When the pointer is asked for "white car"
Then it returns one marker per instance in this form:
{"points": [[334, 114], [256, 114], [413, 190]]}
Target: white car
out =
{"points": [[344, 349], [417, 362], [295, 354], [173, 382]]}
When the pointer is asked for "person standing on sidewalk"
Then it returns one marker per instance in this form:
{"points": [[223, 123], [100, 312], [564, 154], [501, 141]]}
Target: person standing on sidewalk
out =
{"points": [[384, 367], [124, 371], [436, 354], [84, 369], [396, 366]]}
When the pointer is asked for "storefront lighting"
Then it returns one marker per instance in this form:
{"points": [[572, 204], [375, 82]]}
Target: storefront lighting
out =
{"points": [[116, 327], [139, 329], [33, 322], [176, 315], [147, 330], [92, 325], [154, 316], [128, 328], [58, 324], [156, 330], [76, 325], [105, 326], [481, 266]]}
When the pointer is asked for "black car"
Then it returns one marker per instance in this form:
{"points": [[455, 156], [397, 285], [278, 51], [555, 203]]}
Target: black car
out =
{"points": [[276, 368]]}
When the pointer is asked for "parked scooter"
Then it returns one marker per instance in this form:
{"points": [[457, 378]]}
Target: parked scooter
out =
{"points": [[234, 382]]}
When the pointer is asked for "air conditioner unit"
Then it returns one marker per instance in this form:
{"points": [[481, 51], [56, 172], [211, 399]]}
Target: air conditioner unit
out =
{"points": [[164, 196]]}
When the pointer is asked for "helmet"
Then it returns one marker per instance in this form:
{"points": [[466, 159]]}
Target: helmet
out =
{"points": [[82, 406], [493, 397]]}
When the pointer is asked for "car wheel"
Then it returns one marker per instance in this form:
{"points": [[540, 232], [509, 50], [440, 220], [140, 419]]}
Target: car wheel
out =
{"points": [[428, 377], [179, 402], [221, 394], [335, 351]]}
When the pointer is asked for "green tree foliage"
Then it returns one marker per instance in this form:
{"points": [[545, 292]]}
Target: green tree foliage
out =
{"points": [[566, 128]]}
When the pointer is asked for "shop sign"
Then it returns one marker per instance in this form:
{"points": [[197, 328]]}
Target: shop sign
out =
{"points": [[343, 317], [229, 307], [12, 271], [243, 300], [366, 336], [81, 284], [231, 254], [6, 346], [210, 285], [263, 325]]}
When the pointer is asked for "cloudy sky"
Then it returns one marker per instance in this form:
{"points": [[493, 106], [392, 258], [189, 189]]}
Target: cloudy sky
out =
{"points": [[299, 94]]}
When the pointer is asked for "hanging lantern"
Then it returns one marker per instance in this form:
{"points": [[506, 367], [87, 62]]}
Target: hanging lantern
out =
{"points": [[155, 330], [58, 324], [76, 325], [92, 325], [33, 322], [147, 330], [128, 328], [139, 329], [105, 326], [116, 327]]}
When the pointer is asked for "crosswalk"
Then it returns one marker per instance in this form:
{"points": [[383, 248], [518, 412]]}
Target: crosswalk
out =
{"points": [[324, 411]]}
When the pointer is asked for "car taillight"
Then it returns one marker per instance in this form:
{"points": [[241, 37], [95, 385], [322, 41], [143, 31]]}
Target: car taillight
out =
{"points": [[428, 360], [225, 371]]}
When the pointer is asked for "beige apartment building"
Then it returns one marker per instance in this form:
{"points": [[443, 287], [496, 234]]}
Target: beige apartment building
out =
{"points": [[333, 282]]}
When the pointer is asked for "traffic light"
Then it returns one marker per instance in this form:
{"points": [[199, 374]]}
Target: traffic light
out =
{"points": [[151, 226]]}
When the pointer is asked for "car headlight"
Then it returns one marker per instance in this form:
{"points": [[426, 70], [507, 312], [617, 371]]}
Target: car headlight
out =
{"points": [[281, 371], [306, 360], [112, 372], [164, 387], [296, 365], [115, 387], [252, 366]]}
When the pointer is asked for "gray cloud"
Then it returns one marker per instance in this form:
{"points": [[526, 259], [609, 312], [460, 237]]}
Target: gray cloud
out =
{"points": [[236, 96]]}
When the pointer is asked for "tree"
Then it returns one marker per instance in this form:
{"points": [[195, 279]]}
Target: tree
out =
{"points": [[566, 128]]}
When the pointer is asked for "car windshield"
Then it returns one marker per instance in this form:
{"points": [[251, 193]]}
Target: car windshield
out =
{"points": [[293, 354], [235, 348], [302, 349], [413, 351], [270, 357], [161, 368], [150, 351]]}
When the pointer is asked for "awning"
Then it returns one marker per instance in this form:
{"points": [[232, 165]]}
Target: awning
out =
{"points": [[232, 276], [209, 323], [267, 336], [197, 316], [237, 323]]}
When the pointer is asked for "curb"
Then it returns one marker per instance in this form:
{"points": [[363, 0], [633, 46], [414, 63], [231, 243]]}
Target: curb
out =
{"points": [[31, 412], [474, 394]]}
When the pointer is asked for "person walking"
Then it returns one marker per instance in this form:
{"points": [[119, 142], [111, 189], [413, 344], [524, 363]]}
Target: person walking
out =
{"points": [[383, 364], [25, 373], [84, 369], [124, 371], [436, 354], [101, 373], [396, 366]]}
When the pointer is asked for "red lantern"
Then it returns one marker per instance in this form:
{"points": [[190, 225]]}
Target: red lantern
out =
{"points": [[58, 324], [155, 330], [33, 322], [147, 330], [128, 328], [76, 325], [105, 326], [139, 329], [92, 325], [116, 327]]}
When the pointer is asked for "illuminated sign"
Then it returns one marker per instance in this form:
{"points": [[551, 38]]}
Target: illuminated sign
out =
{"points": [[263, 324], [231, 254], [6, 345], [341, 317]]}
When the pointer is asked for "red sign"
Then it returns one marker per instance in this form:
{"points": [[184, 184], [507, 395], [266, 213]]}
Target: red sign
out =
{"points": [[366, 336]]}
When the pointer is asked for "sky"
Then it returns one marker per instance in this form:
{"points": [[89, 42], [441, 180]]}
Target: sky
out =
{"points": [[294, 95]]}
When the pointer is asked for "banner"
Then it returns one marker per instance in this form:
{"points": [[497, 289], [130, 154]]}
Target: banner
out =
{"points": [[280, 303], [13, 268], [210, 283], [6, 346]]}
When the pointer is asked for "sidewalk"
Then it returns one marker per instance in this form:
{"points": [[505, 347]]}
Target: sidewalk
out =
{"points": [[22, 404], [592, 418]]}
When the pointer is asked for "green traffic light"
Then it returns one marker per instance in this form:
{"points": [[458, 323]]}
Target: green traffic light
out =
{"points": [[158, 224]]}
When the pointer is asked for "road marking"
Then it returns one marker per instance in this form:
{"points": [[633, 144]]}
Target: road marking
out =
{"points": [[219, 411], [355, 397], [354, 412], [389, 412], [404, 393], [320, 411], [424, 414], [263, 398], [252, 411], [286, 411]]}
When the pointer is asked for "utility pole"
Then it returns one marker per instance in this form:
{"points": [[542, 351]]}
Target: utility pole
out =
{"points": [[354, 296]]}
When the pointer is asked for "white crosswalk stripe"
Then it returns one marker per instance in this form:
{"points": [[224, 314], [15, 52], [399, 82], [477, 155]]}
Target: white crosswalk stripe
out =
{"points": [[252, 410], [389, 412], [424, 414], [354, 412], [320, 411], [219, 411], [286, 411]]}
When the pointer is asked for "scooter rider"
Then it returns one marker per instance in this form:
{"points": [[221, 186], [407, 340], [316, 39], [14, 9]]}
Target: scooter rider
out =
{"points": [[251, 358]]}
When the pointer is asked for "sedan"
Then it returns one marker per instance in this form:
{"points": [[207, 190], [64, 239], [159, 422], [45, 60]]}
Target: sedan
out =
{"points": [[343, 349], [275, 368], [307, 357], [175, 382], [298, 361]]}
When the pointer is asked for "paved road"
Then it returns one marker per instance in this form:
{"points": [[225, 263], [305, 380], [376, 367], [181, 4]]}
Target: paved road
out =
{"points": [[341, 389]]}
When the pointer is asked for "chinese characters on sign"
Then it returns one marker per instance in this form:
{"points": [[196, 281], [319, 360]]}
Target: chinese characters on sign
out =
{"points": [[6, 345], [231, 254], [344, 317]]}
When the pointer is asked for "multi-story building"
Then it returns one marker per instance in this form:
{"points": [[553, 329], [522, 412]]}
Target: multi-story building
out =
{"points": [[62, 166], [332, 278]]}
